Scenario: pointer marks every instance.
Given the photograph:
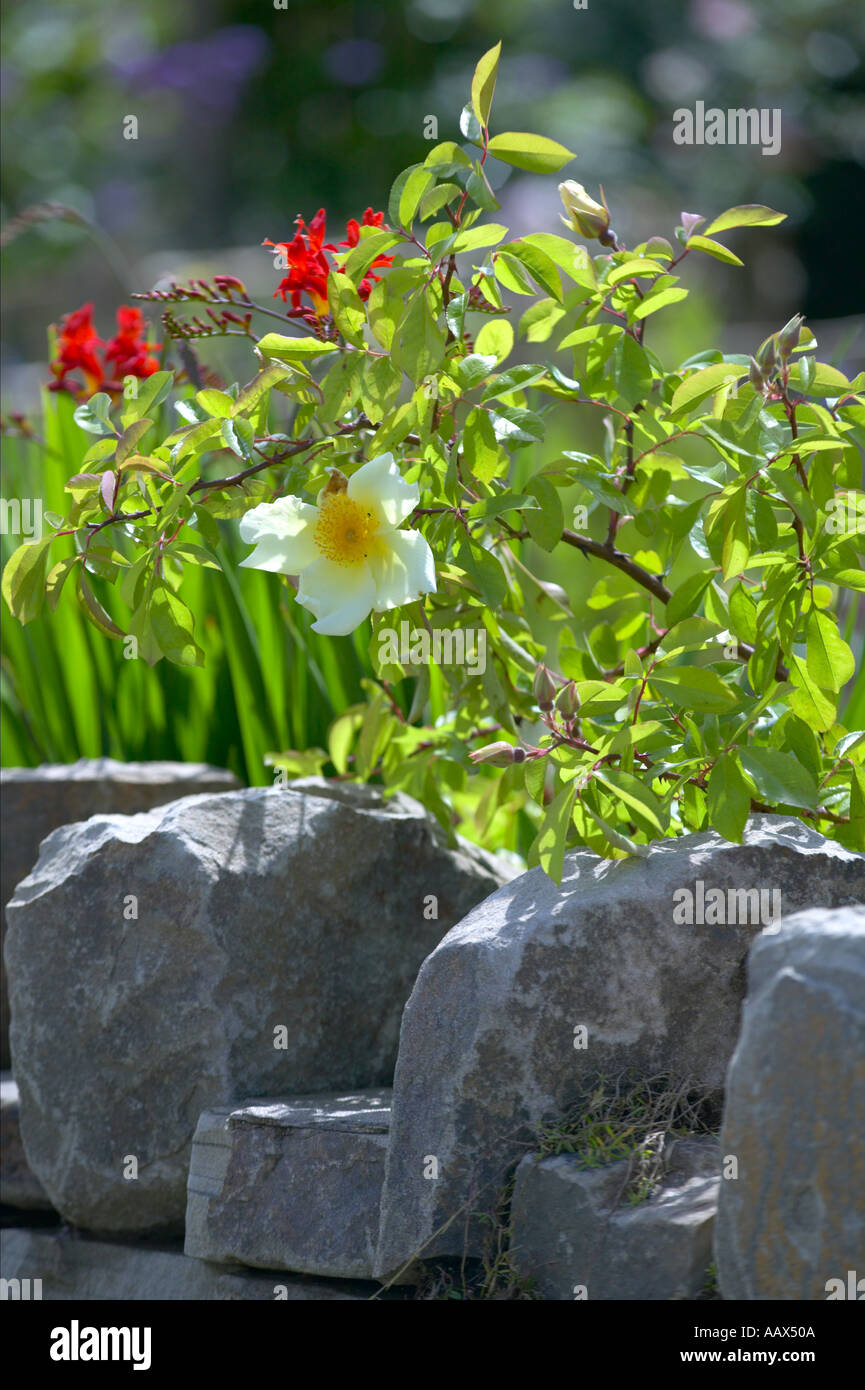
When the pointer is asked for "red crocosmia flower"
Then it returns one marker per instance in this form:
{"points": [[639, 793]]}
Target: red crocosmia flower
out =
{"points": [[127, 350], [76, 351], [370, 219], [308, 267], [127, 354]]}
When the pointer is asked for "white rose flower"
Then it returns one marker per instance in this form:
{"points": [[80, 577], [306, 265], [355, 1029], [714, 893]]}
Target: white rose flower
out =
{"points": [[347, 549]]}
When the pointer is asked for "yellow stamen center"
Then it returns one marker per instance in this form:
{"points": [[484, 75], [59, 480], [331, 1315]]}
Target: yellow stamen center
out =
{"points": [[344, 531]]}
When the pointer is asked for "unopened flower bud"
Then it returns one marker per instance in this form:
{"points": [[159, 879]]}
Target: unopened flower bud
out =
{"points": [[229, 282], [788, 338], [544, 688], [755, 376], [498, 754], [568, 701], [585, 216], [767, 356]]}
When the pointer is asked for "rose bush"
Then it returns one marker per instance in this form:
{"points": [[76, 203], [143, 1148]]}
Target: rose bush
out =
{"points": [[376, 463]]}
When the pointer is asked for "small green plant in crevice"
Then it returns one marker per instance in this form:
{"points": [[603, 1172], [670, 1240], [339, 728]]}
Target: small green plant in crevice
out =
{"points": [[631, 1118], [491, 1278], [710, 1290]]}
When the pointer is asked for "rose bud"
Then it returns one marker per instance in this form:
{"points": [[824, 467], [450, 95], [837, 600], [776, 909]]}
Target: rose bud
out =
{"points": [[767, 356], [544, 688], [498, 754], [755, 376], [788, 338], [585, 216], [568, 701]]}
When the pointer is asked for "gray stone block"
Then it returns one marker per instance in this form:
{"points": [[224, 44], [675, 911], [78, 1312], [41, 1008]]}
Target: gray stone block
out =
{"points": [[794, 1217], [36, 800], [74, 1268], [292, 1184], [570, 1235]]}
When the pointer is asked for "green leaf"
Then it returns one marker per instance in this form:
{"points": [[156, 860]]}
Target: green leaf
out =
{"points": [[540, 266], [545, 525], [57, 578], [659, 300], [480, 447], [418, 183], [470, 126], [266, 379], [173, 628], [418, 345], [129, 438], [729, 799], [361, 257], [694, 688], [488, 234], [686, 599], [150, 393], [574, 260], [484, 83], [94, 415], [630, 370], [341, 737], [642, 804], [746, 215], [474, 369], [484, 569], [94, 610], [24, 579], [552, 836], [779, 777], [736, 546], [437, 198], [808, 700], [829, 660], [713, 248], [287, 349], [495, 339], [533, 152], [216, 403], [346, 306], [635, 265], [743, 614], [698, 385]]}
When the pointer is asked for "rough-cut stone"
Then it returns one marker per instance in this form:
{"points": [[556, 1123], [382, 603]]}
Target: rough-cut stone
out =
{"points": [[278, 934], [72, 1267], [35, 800], [572, 1236], [794, 1218], [292, 1184], [19, 1186], [488, 1048]]}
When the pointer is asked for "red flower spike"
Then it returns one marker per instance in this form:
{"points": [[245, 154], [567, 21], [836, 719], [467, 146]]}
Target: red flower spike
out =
{"points": [[308, 268], [126, 354]]}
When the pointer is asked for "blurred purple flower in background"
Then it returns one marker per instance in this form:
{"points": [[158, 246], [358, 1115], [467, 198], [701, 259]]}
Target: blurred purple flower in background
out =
{"points": [[208, 74]]}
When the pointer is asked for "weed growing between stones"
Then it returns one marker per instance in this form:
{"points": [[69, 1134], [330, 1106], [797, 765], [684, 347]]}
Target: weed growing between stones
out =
{"points": [[491, 1278], [633, 1118], [710, 1290]]}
